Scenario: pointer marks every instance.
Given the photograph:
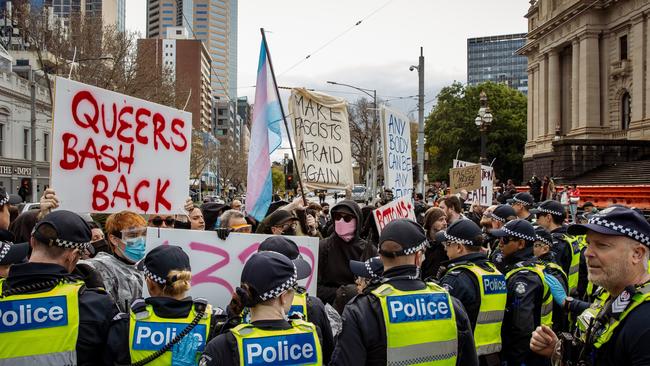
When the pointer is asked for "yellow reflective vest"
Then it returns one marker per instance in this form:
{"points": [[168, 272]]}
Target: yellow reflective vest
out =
{"points": [[299, 305], [149, 333], [42, 328], [298, 345], [547, 298], [487, 334], [576, 243], [420, 325]]}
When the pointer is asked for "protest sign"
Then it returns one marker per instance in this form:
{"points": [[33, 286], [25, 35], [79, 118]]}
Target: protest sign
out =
{"points": [[467, 178], [483, 194], [401, 208], [112, 152], [322, 135], [217, 264], [398, 163]]}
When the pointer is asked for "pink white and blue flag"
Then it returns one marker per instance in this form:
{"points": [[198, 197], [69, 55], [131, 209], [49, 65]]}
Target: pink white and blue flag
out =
{"points": [[265, 139]]}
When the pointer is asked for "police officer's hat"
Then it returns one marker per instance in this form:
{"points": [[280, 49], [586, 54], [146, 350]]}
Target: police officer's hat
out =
{"points": [[465, 232], [519, 228], [13, 253], [286, 246], [502, 212], [373, 268], [72, 231], [543, 236], [161, 260], [523, 198], [407, 233], [616, 220], [552, 207], [6, 198], [268, 275]]}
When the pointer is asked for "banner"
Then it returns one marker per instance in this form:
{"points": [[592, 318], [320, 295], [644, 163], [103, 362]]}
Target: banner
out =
{"points": [[467, 178], [483, 194], [217, 264], [322, 140], [398, 162], [112, 152], [401, 208]]}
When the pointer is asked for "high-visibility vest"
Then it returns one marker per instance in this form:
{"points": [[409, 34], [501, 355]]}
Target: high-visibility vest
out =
{"points": [[298, 345], [546, 315], [575, 244], [41, 328], [299, 305], [494, 295], [149, 333], [420, 325]]}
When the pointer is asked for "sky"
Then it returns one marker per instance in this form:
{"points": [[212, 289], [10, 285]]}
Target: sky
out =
{"points": [[376, 54]]}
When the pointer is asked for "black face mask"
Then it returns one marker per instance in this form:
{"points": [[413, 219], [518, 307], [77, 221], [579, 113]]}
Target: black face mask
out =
{"points": [[290, 231], [101, 245]]}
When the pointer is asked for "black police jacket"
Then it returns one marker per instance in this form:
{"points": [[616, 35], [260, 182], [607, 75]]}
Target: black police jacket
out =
{"points": [[363, 338], [523, 311], [96, 308], [562, 249], [560, 319], [223, 350], [117, 349]]}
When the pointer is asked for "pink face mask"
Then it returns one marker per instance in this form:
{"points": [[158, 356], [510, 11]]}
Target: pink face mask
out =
{"points": [[345, 230]]}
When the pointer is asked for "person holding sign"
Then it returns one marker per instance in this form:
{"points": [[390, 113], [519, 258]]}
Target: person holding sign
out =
{"points": [[268, 284], [168, 328]]}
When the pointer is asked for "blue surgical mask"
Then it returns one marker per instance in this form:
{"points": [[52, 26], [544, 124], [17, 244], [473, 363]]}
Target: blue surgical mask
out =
{"points": [[135, 248]]}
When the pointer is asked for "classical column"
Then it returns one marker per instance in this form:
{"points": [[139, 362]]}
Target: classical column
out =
{"points": [[635, 52], [530, 125], [535, 99], [575, 86], [589, 83], [554, 93], [542, 86], [647, 53]]}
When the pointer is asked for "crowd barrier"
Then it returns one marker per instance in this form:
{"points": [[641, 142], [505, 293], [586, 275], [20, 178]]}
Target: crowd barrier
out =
{"points": [[603, 196]]}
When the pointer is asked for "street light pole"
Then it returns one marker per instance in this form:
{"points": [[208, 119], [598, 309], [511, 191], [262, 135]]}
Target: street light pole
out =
{"points": [[421, 123], [483, 121]]}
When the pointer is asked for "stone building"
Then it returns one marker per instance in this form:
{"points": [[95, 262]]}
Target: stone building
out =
{"points": [[588, 86]]}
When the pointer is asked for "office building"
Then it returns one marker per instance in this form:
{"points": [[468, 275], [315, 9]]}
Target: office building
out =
{"points": [[495, 59], [112, 12]]}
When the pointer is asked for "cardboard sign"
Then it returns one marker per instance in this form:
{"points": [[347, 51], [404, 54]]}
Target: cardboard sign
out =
{"points": [[398, 163], [322, 133], [484, 193], [217, 264], [112, 152], [467, 178], [401, 208]]}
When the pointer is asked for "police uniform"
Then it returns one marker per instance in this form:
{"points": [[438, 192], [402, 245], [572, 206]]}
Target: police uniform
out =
{"points": [[502, 214], [154, 322], [266, 342], [403, 320], [48, 316], [529, 301], [527, 201], [549, 265]]}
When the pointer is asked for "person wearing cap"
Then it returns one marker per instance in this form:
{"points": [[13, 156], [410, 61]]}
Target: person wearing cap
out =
{"points": [[268, 284], [471, 278], [402, 320], [567, 248], [615, 330], [522, 203], [589, 208], [211, 213], [280, 222], [500, 216], [545, 258], [336, 251], [529, 302], [367, 272], [48, 316], [12, 254], [169, 310]]}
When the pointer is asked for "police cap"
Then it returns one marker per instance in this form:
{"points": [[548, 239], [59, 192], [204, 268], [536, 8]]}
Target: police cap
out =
{"points": [[268, 275], [616, 220], [465, 232], [286, 246], [163, 259], [519, 228], [72, 231], [13, 253], [523, 198], [552, 207], [373, 268], [407, 233]]}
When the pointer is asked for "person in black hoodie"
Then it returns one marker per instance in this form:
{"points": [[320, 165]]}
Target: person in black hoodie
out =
{"points": [[336, 251]]}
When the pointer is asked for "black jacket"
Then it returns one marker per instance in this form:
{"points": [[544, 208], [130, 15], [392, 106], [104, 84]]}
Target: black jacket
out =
{"points": [[523, 312], [96, 309], [562, 249], [334, 257], [434, 256], [223, 350], [117, 349], [560, 320], [363, 338]]}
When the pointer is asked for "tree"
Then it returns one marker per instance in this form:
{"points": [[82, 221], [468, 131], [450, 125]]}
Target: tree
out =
{"points": [[232, 163], [277, 176], [450, 127], [360, 115]]}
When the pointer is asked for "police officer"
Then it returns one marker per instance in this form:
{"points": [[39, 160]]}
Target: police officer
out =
{"points": [[268, 284], [522, 203], [152, 330], [402, 319], [529, 300], [12, 254], [48, 316], [481, 288], [614, 331], [500, 216], [367, 272], [554, 274]]}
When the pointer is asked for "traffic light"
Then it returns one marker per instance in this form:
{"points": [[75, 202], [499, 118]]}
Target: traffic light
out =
{"points": [[288, 183]]}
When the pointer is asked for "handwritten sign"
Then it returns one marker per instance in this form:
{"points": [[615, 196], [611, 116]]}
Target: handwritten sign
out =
{"points": [[467, 178], [401, 208], [217, 264], [398, 163], [484, 193], [322, 133], [112, 152]]}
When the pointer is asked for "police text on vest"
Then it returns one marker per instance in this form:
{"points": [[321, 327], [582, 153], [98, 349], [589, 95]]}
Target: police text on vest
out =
{"points": [[418, 307], [291, 349], [152, 336], [45, 312]]}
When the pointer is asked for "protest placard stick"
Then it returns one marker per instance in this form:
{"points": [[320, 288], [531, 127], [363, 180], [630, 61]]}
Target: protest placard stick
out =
{"points": [[284, 117]]}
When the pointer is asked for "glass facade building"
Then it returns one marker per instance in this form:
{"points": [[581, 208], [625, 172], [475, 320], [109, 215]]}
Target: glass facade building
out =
{"points": [[495, 59]]}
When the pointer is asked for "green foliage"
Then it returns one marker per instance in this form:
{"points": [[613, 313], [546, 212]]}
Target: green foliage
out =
{"points": [[450, 127], [277, 175]]}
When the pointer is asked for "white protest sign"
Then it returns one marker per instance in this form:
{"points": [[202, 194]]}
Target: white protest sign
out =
{"points": [[483, 194], [398, 163], [217, 264], [322, 134], [112, 152], [401, 208]]}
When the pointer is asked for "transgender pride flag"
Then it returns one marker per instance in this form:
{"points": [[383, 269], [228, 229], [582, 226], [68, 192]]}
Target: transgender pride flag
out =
{"points": [[265, 138]]}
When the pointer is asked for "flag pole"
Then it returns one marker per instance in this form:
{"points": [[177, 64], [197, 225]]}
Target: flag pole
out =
{"points": [[284, 118]]}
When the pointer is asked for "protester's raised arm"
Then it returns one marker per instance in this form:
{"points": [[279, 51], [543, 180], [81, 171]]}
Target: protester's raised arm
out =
{"points": [[49, 201]]}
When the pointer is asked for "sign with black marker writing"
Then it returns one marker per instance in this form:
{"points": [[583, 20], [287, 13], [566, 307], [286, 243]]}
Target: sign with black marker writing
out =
{"points": [[467, 178], [398, 162], [484, 194], [322, 134]]}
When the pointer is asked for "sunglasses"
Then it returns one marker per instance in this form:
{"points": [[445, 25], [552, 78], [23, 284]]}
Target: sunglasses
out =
{"points": [[341, 216], [449, 243], [508, 239], [539, 244], [158, 221], [246, 229]]}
